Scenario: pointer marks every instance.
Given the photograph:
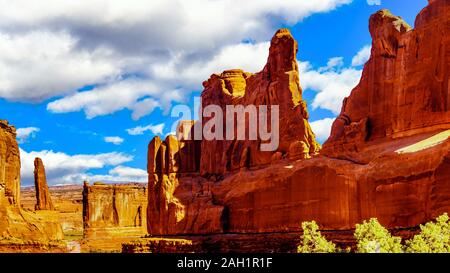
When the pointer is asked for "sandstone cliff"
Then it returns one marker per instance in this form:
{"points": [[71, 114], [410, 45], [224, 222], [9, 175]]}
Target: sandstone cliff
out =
{"points": [[43, 198], [15, 222], [114, 212], [404, 89], [387, 156], [9, 165], [278, 84], [68, 202]]}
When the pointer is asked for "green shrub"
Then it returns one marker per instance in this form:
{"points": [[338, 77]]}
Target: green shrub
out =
{"points": [[372, 237], [313, 241], [433, 238]]}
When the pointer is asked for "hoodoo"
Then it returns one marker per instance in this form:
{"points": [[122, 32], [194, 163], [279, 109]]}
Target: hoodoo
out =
{"points": [[43, 198]]}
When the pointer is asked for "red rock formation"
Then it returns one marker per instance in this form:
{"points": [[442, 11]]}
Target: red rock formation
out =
{"points": [[387, 157], [115, 206], [14, 222], [113, 214], [67, 200], [9, 164], [167, 160], [277, 84], [404, 89], [43, 198]]}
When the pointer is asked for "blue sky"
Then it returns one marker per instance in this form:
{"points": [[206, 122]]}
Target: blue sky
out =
{"points": [[72, 79]]}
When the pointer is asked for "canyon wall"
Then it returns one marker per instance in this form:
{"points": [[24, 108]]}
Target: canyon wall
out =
{"points": [[114, 211], [67, 201], [387, 156], [9, 165], [15, 222], [204, 161], [404, 89]]}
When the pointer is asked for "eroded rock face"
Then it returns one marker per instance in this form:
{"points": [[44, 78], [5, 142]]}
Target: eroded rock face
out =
{"points": [[43, 198], [9, 164], [15, 222], [177, 207], [114, 210], [387, 156], [277, 84], [404, 89]]}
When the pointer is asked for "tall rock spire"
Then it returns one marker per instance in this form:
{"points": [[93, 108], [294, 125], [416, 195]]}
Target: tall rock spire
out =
{"points": [[43, 199]]}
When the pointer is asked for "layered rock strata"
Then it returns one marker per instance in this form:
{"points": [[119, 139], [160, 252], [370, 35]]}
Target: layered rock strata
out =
{"points": [[387, 156], [16, 223], [114, 210]]}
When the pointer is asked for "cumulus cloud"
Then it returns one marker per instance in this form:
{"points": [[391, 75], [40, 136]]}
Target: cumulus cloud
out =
{"points": [[139, 130], [53, 48], [62, 168], [38, 65], [332, 85], [119, 174], [362, 56], [24, 133], [322, 128], [123, 171], [109, 98], [333, 63], [114, 140]]}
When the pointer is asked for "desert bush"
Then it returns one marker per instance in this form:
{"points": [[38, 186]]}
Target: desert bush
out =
{"points": [[372, 237], [433, 238], [313, 241]]}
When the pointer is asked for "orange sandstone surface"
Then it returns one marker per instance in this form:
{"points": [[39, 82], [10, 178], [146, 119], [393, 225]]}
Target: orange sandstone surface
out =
{"points": [[20, 229], [113, 214], [388, 155]]}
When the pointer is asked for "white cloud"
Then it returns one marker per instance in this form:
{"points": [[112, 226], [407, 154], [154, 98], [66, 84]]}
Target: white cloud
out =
{"points": [[245, 56], [39, 65], [322, 128], [119, 174], [143, 108], [105, 99], [114, 140], [24, 133], [62, 168], [123, 171], [52, 48], [374, 2], [333, 63], [332, 85], [362, 56], [139, 130]]}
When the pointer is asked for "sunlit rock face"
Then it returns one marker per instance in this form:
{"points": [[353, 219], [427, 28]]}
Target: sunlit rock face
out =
{"points": [[9, 164], [114, 207], [404, 89], [43, 198], [16, 223], [277, 84], [387, 156]]}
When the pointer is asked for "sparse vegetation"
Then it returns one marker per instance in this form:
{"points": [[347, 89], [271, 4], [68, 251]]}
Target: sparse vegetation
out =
{"points": [[433, 238], [372, 237], [313, 241]]}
